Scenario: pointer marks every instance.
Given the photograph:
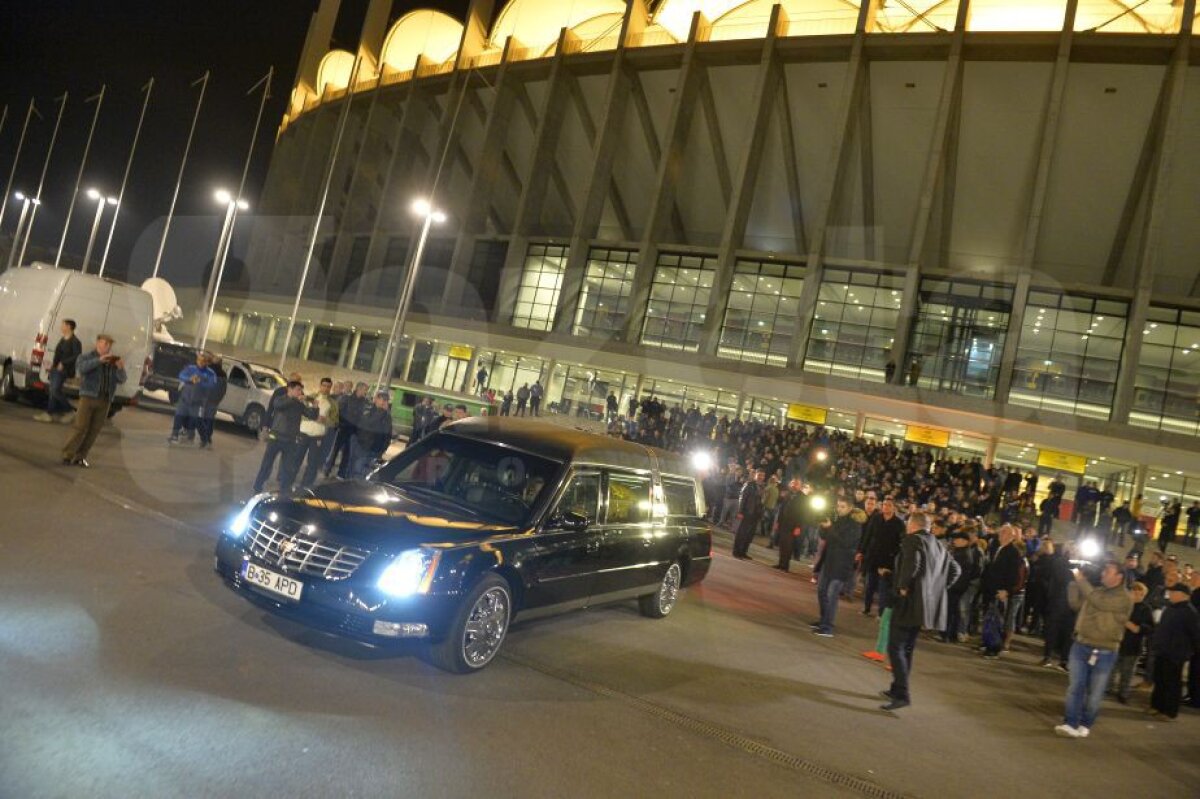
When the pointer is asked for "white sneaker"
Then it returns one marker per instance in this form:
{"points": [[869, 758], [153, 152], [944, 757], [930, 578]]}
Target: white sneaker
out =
{"points": [[1067, 731], [1083, 731], [42, 416]]}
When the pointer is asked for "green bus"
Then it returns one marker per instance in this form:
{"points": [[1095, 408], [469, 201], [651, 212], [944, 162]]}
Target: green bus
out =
{"points": [[405, 397]]}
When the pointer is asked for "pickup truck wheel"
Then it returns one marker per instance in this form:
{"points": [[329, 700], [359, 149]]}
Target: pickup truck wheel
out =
{"points": [[478, 629], [8, 385], [252, 419], [662, 601]]}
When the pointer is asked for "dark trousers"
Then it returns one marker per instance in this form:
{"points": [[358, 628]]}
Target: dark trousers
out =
{"points": [[187, 416], [954, 620], [535, 407], [872, 586], [56, 401], [744, 535], [207, 421], [1045, 524], [89, 421], [317, 454], [787, 544], [1060, 622], [829, 589], [1168, 686], [901, 643], [285, 450], [341, 450]]}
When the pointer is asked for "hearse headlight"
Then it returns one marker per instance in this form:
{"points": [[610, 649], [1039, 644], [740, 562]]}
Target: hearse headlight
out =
{"points": [[410, 573], [240, 523]]}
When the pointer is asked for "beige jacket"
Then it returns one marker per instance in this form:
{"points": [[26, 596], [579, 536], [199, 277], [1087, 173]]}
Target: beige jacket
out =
{"points": [[1102, 614]]}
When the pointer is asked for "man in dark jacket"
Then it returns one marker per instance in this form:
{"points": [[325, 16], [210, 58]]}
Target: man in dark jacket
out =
{"points": [[1059, 618], [212, 401], [970, 565], [1137, 630], [1004, 581], [373, 436], [101, 371], [350, 410], [284, 437], [841, 537], [923, 570], [880, 545], [749, 514], [62, 368], [1176, 640]]}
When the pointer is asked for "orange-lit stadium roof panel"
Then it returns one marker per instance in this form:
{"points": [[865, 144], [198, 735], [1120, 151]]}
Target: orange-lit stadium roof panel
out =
{"points": [[421, 33]]}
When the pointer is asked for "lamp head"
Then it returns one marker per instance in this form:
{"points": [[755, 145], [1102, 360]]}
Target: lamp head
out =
{"points": [[222, 196], [93, 194], [421, 207]]}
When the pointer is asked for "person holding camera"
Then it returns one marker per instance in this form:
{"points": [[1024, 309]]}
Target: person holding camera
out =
{"points": [[100, 372]]}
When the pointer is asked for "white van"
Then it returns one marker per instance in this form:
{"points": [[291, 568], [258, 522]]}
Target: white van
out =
{"points": [[34, 301]]}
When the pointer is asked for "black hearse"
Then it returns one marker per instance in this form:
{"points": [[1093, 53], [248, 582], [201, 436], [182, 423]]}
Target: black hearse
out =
{"points": [[485, 521]]}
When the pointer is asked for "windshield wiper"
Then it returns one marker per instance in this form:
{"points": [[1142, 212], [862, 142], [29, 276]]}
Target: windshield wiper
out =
{"points": [[437, 496]]}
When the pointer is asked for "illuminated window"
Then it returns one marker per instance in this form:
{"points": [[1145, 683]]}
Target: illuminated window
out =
{"points": [[1167, 387], [541, 282], [1069, 354], [958, 335], [628, 499], [604, 298], [678, 301], [854, 323], [763, 312]]}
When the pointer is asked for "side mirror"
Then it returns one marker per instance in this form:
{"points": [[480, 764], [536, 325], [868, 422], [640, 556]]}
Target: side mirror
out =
{"points": [[567, 520]]}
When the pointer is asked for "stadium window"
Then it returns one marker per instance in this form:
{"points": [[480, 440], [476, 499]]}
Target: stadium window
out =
{"points": [[854, 323], [1167, 386], [604, 298], [678, 301], [1069, 354], [959, 334], [541, 283], [762, 312]]}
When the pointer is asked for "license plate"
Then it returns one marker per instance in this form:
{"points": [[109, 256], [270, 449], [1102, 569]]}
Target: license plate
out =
{"points": [[272, 582]]}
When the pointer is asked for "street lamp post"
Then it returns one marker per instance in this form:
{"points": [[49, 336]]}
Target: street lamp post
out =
{"points": [[17, 244], [232, 206], [429, 215], [100, 201]]}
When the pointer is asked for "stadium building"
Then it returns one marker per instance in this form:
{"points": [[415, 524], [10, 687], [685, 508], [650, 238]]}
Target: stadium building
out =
{"points": [[971, 225]]}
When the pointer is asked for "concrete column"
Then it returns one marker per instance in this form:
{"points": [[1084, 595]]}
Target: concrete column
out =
{"points": [[1037, 202], [831, 191], [989, 457], [374, 28], [306, 345], [860, 424], [1139, 480], [352, 351], [741, 402], [342, 350], [316, 44], [637, 387], [1150, 250], [662, 202], [269, 344], [236, 336], [908, 311], [605, 142], [737, 213], [408, 357]]}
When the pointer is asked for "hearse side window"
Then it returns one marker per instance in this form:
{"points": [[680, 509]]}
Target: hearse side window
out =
{"points": [[238, 379], [582, 496], [628, 499], [680, 497]]}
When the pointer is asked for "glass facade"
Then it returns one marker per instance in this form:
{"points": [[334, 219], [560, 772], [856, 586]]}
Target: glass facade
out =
{"points": [[1069, 354], [958, 335], [582, 391], [1167, 387], [855, 322], [604, 297], [678, 301], [762, 313], [672, 393], [541, 283]]}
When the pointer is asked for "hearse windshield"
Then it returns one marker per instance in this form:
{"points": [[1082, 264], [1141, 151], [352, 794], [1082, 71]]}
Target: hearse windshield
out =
{"points": [[485, 480]]}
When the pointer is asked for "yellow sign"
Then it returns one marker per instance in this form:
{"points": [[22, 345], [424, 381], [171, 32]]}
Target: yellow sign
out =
{"points": [[929, 436], [461, 352], [806, 413], [1062, 461]]}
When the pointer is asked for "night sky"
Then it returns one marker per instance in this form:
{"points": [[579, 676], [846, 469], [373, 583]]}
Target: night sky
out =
{"points": [[52, 46]]}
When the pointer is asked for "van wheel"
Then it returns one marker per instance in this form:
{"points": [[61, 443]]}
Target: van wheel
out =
{"points": [[478, 629], [252, 419], [8, 385], [662, 601]]}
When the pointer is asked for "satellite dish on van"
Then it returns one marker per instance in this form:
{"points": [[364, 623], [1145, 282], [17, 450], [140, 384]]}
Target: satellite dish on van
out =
{"points": [[166, 306]]}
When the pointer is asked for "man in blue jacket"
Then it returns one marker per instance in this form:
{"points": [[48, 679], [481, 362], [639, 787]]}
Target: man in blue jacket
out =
{"points": [[195, 381], [101, 372]]}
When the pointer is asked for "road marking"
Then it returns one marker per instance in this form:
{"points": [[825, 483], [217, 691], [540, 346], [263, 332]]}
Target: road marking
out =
{"points": [[724, 735]]}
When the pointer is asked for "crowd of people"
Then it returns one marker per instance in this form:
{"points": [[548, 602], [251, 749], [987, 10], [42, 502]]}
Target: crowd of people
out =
{"points": [[952, 546]]}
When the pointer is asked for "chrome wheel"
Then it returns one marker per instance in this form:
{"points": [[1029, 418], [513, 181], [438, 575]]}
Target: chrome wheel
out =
{"points": [[668, 590], [486, 626]]}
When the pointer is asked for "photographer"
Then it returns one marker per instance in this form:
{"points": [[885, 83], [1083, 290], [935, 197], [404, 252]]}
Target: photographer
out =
{"points": [[101, 372]]}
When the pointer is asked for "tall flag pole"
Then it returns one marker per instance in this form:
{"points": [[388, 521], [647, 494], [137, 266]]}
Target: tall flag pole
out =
{"points": [[148, 88], [223, 251], [99, 98], [162, 245], [37, 203], [16, 160]]}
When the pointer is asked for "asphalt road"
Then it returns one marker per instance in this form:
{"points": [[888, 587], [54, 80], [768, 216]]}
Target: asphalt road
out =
{"points": [[126, 668]]}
